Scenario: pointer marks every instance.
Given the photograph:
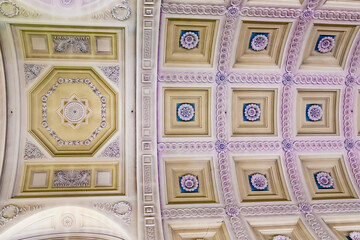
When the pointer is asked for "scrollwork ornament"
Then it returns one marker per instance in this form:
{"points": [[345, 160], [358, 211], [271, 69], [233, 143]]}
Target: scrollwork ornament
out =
{"points": [[117, 7], [15, 12]]}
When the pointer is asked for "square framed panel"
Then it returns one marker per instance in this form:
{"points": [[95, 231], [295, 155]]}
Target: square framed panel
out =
{"points": [[260, 178], [343, 226], [265, 228], [261, 44], [186, 112], [254, 112], [317, 112], [328, 46], [189, 180], [326, 177], [190, 42]]}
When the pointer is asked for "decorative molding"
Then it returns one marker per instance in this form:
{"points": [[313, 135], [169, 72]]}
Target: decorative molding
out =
{"points": [[270, 12], [269, 210], [193, 9], [112, 72], [32, 151], [175, 213], [254, 78], [10, 212], [121, 209], [241, 146], [320, 79], [186, 77], [316, 145], [32, 71], [186, 146]]}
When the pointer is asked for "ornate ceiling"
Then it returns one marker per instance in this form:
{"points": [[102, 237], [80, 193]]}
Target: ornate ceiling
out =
{"points": [[179, 120]]}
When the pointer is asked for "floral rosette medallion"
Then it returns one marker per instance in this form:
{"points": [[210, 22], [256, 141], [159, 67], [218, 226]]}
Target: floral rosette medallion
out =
{"points": [[189, 183], [354, 235], [252, 112], [280, 237], [189, 40], [185, 112], [326, 44], [259, 42], [259, 181], [324, 179], [315, 113]]}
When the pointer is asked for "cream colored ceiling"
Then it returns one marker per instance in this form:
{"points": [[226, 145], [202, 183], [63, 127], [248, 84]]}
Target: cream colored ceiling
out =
{"points": [[179, 119]]}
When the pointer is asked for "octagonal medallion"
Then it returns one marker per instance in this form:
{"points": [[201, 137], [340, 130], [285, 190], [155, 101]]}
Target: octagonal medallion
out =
{"points": [[72, 111]]}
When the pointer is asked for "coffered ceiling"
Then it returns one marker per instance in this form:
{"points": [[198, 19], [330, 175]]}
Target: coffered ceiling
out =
{"points": [[180, 120]]}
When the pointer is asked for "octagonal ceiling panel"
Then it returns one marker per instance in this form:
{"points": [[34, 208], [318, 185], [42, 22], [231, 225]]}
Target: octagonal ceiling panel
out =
{"points": [[72, 111]]}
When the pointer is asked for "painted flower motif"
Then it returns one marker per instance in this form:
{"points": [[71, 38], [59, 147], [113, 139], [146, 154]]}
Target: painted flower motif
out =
{"points": [[288, 78], [324, 179], [259, 181], [315, 112], [287, 145], [189, 40], [232, 210], [326, 44], [186, 112], [281, 237], [220, 145], [221, 78], [354, 235], [252, 112], [189, 182], [259, 42]]}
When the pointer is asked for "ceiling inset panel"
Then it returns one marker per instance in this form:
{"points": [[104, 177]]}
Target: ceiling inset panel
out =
{"points": [[72, 111]]}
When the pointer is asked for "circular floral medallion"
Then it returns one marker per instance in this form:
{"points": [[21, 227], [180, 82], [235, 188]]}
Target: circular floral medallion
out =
{"points": [[315, 113], [252, 112], [354, 235], [259, 42], [9, 212], [15, 9], [326, 44], [259, 181], [186, 112], [189, 40], [75, 111], [121, 209], [324, 179], [281, 237], [221, 145], [189, 182], [221, 78]]}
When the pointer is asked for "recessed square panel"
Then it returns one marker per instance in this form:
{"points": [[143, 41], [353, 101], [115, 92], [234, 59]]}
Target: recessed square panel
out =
{"points": [[189, 180], [186, 112], [200, 229], [328, 46], [289, 227], [254, 112], [345, 227], [38, 43], [326, 177], [260, 178], [317, 112], [261, 44], [190, 42]]}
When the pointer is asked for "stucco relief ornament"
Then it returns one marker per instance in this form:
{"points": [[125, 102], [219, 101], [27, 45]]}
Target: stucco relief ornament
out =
{"points": [[15, 9], [349, 144], [74, 111], [288, 78], [305, 207], [315, 113], [350, 80], [287, 145], [189, 40], [72, 178], [66, 3], [32, 151], [281, 237], [186, 112], [354, 235], [259, 181], [9, 212], [121, 209], [32, 71], [221, 78], [324, 179], [189, 182], [232, 11], [232, 210], [252, 112], [326, 44], [259, 42], [307, 14], [221, 145], [118, 11]]}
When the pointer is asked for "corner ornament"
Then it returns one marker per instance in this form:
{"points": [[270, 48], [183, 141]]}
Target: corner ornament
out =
{"points": [[121, 11], [9, 13]]}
